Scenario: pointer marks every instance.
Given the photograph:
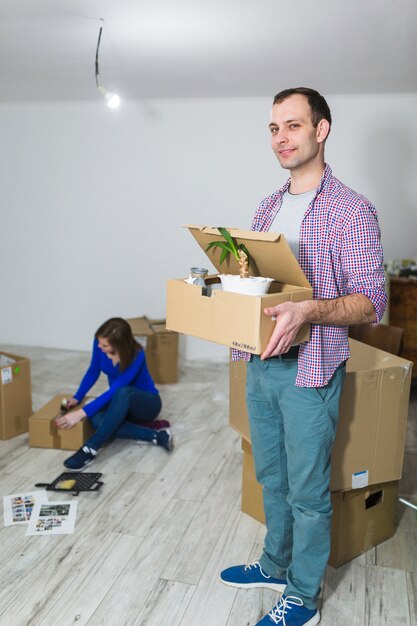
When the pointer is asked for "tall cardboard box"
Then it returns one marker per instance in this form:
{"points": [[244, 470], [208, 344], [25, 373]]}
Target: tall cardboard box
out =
{"points": [[161, 348], [15, 395], [44, 434], [234, 319], [362, 518], [369, 444]]}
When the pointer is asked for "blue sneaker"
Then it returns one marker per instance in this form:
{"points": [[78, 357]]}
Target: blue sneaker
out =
{"points": [[83, 457], [163, 438], [250, 576], [290, 611]]}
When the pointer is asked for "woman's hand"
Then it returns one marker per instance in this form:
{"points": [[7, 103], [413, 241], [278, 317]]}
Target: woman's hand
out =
{"points": [[70, 419], [71, 403]]}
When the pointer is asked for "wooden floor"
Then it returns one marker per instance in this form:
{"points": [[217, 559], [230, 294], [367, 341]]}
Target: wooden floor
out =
{"points": [[148, 547]]}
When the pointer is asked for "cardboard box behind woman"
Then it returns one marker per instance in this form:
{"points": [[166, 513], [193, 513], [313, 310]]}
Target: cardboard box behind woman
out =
{"points": [[161, 348], [15, 395]]}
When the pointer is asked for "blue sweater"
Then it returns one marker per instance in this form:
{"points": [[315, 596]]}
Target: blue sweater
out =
{"points": [[136, 375]]}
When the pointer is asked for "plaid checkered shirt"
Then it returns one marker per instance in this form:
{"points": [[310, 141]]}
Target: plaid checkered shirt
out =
{"points": [[340, 252]]}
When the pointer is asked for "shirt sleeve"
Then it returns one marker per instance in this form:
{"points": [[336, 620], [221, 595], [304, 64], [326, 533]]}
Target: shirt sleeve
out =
{"points": [[124, 379], [91, 375], [363, 260]]}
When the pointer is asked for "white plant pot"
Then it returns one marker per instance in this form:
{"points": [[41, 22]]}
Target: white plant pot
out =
{"points": [[251, 286]]}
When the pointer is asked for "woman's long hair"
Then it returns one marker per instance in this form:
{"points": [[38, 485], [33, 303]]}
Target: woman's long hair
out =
{"points": [[119, 335]]}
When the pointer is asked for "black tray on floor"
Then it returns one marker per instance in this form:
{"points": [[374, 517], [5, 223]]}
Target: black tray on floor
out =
{"points": [[84, 482]]}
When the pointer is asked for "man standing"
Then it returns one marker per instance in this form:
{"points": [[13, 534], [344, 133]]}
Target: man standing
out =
{"points": [[293, 392]]}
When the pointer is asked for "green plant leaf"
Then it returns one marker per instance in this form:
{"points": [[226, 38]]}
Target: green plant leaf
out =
{"points": [[230, 240], [224, 255], [228, 246], [215, 243], [219, 244]]}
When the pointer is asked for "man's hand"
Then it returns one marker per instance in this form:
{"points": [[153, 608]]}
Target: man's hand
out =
{"points": [[354, 308], [290, 317], [70, 419]]}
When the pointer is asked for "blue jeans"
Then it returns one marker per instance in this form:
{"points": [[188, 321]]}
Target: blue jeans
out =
{"points": [[128, 408], [292, 431]]}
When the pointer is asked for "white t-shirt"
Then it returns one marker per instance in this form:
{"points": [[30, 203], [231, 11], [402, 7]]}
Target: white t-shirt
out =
{"points": [[289, 217]]}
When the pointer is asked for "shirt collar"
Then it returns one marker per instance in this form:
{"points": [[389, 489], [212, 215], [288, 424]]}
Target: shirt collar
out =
{"points": [[327, 173]]}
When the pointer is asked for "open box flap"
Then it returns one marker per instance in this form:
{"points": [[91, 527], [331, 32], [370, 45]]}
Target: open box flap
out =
{"points": [[270, 254], [140, 326], [365, 357]]}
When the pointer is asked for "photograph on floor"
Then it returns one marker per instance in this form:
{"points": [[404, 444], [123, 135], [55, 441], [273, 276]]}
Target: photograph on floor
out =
{"points": [[53, 518], [18, 508]]}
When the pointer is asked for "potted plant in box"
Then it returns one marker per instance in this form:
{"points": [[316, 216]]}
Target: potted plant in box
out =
{"points": [[242, 282]]}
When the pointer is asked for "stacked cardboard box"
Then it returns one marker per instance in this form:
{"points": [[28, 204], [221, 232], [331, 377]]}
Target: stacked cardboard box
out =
{"points": [[368, 451], [44, 434], [161, 348], [362, 518], [15, 395]]}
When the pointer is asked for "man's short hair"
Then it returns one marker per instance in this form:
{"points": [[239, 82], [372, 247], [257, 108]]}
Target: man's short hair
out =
{"points": [[319, 108]]}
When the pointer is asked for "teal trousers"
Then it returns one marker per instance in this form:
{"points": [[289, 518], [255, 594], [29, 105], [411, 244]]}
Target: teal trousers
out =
{"points": [[292, 431]]}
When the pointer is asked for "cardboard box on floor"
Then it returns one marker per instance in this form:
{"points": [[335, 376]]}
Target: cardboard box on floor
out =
{"points": [[15, 395], [232, 319], [44, 434], [362, 518], [161, 348], [369, 444]]}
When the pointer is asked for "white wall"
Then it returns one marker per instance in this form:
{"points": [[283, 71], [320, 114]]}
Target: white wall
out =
{"points": [[93, 200]]}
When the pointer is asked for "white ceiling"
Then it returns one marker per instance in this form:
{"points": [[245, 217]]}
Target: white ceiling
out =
{"points": [[205, 48]]}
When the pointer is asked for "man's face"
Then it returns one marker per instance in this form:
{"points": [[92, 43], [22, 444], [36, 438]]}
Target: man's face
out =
{"points": [[295, 141]]}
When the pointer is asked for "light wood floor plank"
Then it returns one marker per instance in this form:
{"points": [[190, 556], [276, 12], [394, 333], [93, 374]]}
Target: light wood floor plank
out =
{"points": [[31, 464], [129, 593], [386, 601], [412, 596], [166, 604], [212, 601], [398, 552], [251, 605], [16, 575], [105, 509], [209, 465], [152, 502], [196, 547], [74, 598], [343, 597]]}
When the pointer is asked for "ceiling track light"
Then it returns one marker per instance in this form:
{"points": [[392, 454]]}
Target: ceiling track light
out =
{"points": [[112, 99]]}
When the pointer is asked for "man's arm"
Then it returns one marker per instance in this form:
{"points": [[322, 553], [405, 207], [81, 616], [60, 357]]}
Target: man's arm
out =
{"points": [[351, 309], [354, 308]]}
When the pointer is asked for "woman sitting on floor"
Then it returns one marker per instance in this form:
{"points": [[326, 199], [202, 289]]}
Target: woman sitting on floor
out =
{"points": [[129, 408]]}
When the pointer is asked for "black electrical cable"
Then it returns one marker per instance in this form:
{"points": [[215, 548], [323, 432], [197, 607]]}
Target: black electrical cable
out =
{"points": [[98, 46]]}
